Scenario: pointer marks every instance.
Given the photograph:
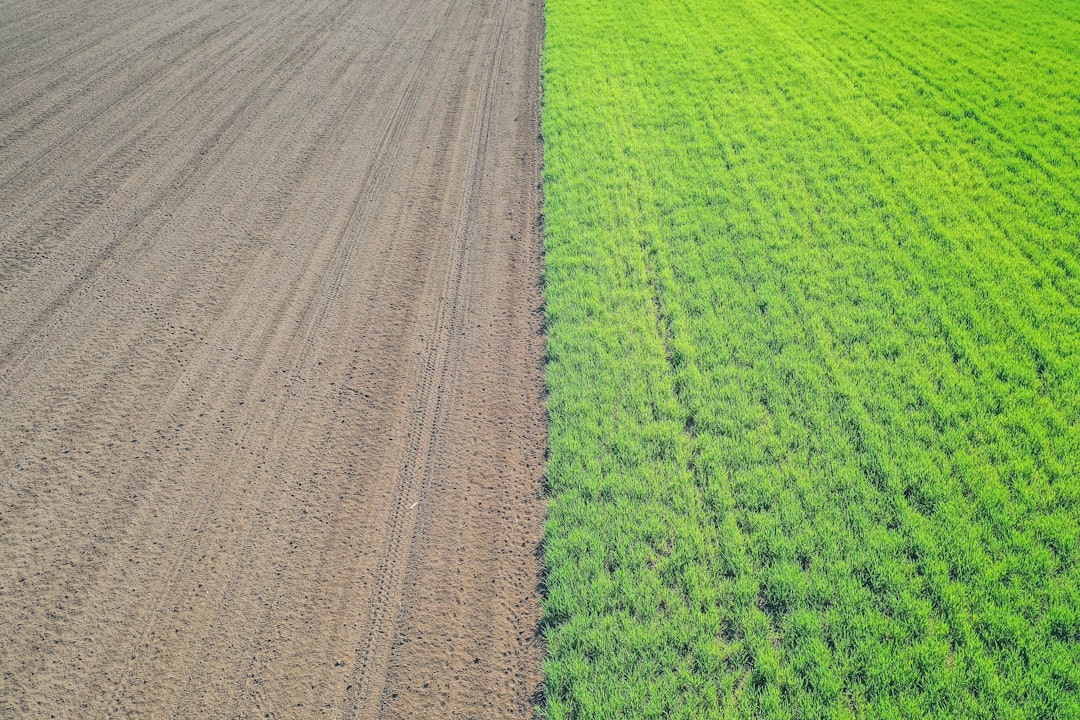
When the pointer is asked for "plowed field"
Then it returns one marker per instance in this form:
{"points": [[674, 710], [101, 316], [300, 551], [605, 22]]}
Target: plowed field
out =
{"points": [[271, 432]]}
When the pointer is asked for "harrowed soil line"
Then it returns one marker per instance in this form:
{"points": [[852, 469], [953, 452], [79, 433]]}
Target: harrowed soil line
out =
{"points": [[271, 388]]}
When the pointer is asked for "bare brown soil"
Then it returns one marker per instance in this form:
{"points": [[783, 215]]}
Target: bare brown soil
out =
{"points": [[271, 427]]}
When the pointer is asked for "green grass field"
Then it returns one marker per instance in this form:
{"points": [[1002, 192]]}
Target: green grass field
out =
{"points": [[813, 282]]}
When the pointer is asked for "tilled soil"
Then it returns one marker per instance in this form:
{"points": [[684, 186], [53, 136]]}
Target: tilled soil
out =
{"points": [[271, 425]]}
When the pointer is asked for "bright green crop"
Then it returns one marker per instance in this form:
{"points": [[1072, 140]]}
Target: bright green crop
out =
{"points": [[813, 284]]}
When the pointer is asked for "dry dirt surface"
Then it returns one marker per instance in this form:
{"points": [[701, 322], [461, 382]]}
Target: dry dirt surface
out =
{"points": [[271, 424]]}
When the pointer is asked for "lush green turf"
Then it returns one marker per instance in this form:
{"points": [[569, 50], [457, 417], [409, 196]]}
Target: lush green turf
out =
{"points": [[813, 283]]}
